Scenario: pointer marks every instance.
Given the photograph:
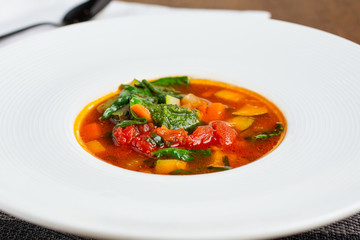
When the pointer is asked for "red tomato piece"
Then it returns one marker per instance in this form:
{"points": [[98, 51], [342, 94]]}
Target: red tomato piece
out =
{"points": [[144, 128], [202, 137], [125, 135], [176, 137], [224, 132], [140, 144]]}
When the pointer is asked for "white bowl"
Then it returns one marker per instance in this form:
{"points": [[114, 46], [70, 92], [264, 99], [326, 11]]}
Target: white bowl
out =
{"points": [[310, 180]]}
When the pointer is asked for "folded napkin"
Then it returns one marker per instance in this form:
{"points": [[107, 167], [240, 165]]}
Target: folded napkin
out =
{"points": [[16, 14]]}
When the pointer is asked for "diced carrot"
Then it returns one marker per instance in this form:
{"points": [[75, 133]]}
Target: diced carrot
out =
{"points": [[215, 111], [202, 111], [208, 93], [202, 108], [92, 131], [95, 146], [166, 166], [141, 111]]}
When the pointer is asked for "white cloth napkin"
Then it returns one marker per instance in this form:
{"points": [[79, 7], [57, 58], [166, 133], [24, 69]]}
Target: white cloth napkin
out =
{"points": [[16, 14]]}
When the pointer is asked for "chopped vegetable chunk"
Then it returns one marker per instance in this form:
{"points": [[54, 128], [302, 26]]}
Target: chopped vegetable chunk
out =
{"points": [[229, 95], [95, 146], [241, 123], [93, 131], [193, 100], [172, 100], [215, 111], [141, 111], [168, 165], [250, 110]]}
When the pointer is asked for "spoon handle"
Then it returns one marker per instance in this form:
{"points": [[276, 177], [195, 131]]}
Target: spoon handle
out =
{"points": [[26, 28], [80, 13], [84, 11]]}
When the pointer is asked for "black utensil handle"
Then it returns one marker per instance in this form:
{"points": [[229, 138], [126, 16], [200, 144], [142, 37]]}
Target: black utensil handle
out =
{"points": [[84, 11], [27, 28], [81, 13]]}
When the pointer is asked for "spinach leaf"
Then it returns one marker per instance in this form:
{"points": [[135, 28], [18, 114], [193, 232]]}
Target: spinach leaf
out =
{"points": [[178, 153], [135, 99], [121, 113], [155, 140], [179, 172], [173, 116], [168, 81], [226, 161], [277, 131], [151, 92], [204, 152], [124, 98], [125, 123], [161, 91]]}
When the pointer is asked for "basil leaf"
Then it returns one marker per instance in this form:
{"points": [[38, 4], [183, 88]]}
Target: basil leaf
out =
{"points": [[168, 81], [178, 153]]}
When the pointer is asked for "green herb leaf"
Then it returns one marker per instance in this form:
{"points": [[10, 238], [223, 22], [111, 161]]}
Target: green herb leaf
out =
{"points": [[179, 172], [204, 152], [226, 161], [173, 116], [277, 131], [124, 97], [135, 99], [155, 140], [178, 153], [218, 169], [161, 91], [126, 123], [168, 81]]}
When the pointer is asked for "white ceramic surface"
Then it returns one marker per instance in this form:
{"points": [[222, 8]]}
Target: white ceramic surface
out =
{"points": [[310, 180]]}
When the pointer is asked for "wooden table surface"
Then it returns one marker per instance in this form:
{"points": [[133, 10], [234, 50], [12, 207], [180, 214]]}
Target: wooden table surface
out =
{"points": [[340, 17]]}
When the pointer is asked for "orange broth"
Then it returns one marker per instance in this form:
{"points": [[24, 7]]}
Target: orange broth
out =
{"points": [[246, 151]]}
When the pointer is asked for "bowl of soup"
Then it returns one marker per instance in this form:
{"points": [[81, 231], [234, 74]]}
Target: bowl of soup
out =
{"points": [[180, 126], [233, 128]]}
